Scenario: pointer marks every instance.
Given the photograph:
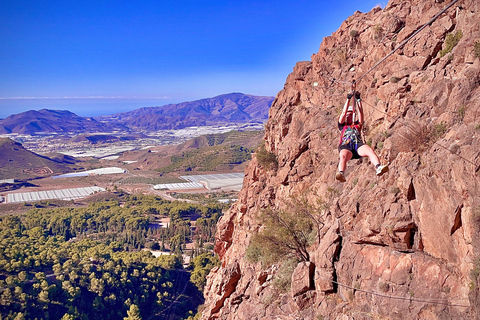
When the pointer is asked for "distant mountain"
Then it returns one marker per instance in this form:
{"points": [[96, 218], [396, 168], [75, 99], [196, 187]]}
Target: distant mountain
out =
{"points": [[18, 163], [223, 109], [59, 121], [226, 108]]}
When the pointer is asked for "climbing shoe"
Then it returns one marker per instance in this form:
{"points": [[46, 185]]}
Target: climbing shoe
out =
{"points": [[382, 169], [340, 177]]}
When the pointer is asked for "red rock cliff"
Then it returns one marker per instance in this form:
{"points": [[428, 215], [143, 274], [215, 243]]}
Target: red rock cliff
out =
{"points": [[400, 246]]}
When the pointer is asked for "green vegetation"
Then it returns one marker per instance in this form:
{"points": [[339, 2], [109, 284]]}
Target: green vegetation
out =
{"points": [[377, 33], [379, 146], [283, 278], [215, 152], [387, 134], [475, 274], [87, 263], [395, 190], [133, 313], [208, 159], [355, 181], [476, 49], [461, 113], [394, 79], [439, 130], [287, 233], [207, 198], [244, 138], [266, 159], [353, 33], [202, 265], [450, 42]]}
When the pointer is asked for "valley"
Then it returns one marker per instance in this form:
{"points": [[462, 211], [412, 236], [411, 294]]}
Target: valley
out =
{"points": [[91, 206], [52, 162], [115, 197], [104, 144]]}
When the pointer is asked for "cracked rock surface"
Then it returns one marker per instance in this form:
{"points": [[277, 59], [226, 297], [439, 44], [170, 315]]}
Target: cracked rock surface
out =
{"points": [[400, 246]]}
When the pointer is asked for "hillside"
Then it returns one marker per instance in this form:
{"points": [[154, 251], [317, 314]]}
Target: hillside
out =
{"points": [[212, 152], [401, 246], [233, 107], [52, 121], [18, 163]]}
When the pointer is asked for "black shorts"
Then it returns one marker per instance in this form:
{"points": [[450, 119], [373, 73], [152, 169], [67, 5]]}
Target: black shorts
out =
{"points": [[352, 147]]}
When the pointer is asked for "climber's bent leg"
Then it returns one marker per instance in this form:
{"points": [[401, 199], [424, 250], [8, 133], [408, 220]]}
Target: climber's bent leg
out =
{"points": [[367, 151]]}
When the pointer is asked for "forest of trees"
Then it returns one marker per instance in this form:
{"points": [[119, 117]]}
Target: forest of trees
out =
{"points": [[88, 263]]}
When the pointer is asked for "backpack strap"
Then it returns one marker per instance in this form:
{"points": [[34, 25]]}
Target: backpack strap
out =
{"points": [[343, 131]]}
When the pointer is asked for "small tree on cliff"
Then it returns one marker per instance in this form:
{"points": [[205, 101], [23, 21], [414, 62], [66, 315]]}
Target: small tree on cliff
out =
{"points": [[202, 265], [286, 232], [133, 313]]}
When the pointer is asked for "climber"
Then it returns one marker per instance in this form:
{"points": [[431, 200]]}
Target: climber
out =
{"points": [[351, 145]]}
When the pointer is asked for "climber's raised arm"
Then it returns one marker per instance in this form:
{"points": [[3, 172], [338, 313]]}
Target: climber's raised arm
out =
{"points": [[343, 115], [359, 106]]}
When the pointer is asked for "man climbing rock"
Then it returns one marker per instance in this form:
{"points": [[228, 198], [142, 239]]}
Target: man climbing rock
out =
{"points": [[351, 145]]}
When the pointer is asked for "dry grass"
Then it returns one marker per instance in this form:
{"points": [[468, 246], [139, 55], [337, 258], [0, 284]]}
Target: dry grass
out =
{"points": [[415, 136], [341, 57], [377, 33], [418, 137]]}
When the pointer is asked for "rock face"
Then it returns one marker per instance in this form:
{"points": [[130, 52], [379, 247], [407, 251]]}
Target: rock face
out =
{"points": [[400, 246]]}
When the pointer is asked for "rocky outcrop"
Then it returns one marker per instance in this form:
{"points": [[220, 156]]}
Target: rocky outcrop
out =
{"points": [[400, 246]]}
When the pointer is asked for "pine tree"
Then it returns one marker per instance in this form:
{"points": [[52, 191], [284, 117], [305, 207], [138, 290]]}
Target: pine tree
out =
{"points": [[133, 313]]}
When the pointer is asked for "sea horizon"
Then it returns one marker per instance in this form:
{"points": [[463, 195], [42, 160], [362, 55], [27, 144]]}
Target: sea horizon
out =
{"points": [[84, 107]]}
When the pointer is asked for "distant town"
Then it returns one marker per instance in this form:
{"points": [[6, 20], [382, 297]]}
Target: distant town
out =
{"points": [[45, 143]]}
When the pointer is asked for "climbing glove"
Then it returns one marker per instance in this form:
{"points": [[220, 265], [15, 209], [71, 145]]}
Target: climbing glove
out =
{"points": [[357, 95]]}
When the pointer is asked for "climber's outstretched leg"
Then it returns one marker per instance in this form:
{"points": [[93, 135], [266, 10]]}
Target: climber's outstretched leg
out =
{"points": [[367, 151]]}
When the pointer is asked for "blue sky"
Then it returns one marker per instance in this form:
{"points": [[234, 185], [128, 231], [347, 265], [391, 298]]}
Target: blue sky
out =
{"points": [[101, 57]]}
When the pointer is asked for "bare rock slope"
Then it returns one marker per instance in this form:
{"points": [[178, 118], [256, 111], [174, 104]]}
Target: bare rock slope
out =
{"points": [[400, 246]]}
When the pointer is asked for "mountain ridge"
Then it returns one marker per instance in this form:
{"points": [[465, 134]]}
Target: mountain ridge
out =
{"points": [[58, 121], [219, 110]]}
